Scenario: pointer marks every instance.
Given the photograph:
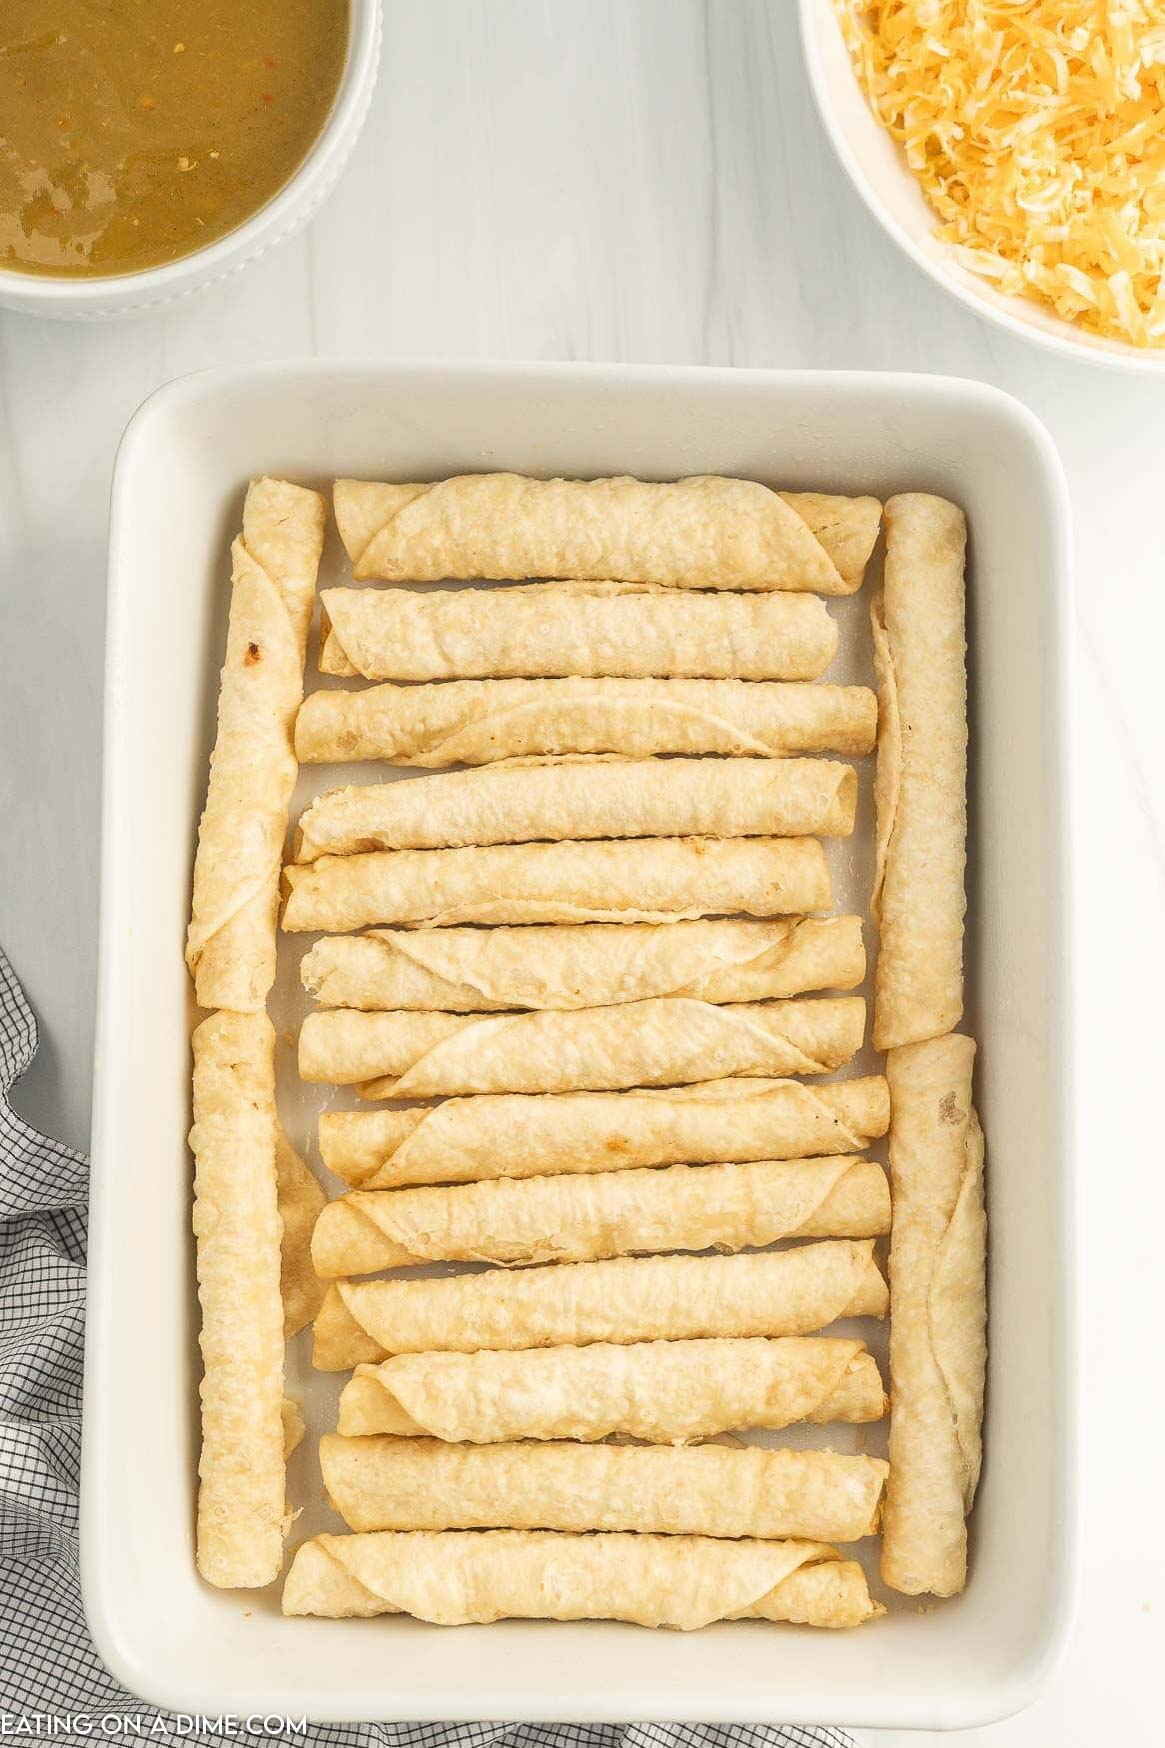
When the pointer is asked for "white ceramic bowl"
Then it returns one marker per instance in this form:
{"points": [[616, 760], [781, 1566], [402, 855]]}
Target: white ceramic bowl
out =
{"points": [[124, 294], [875, 165]]}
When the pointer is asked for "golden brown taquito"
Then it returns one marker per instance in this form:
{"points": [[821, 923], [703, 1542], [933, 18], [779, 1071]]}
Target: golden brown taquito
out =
{"points": [[705, 532], [241, 1495], [641, 880], [594, 965], [230, 946], [455, 1578], [665, 1298], [579, 798], [704, 1490], [668, 1041], [479, 722], [938, 1349], [920, 790], [573, 631], [580, 1218], [665, 1392], [518, 1135]]}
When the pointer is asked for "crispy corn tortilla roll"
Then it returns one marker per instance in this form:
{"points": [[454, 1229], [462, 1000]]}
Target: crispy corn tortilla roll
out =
{"points": [[241, 1496], [666, 1392], [641, 880], [301, 1201], [665, 1042], [847, 528], [665, 1298], [920, 790], [455, 1579], [938, 1346], [594, 965], [571, 631], [620, 1213], [514, 1135], [703, 532], [585, 798], [230, 944], [707, 1490], [479, 722]]}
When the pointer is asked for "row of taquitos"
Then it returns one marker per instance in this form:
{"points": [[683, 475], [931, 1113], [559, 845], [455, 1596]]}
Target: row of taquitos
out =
{"points": [[675, 976], [636, 527], [937, 1148]]}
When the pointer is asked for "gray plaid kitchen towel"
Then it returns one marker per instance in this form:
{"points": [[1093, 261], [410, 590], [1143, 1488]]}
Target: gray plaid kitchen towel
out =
{"points": [[52, 1683]]}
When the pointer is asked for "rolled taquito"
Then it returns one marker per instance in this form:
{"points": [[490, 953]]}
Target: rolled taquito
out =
{"points": [[386, 1483], [704, 532], [574, 798], [920, 788], [642, 880], [241, 1496], [515, 1135], [938, 1345], [456, 1578], [665, 1392], [668, 1041], [230, 943], [572, 631], [583, 1217], [666, 1298], [594, 965], [478, 722], [846, 527]]}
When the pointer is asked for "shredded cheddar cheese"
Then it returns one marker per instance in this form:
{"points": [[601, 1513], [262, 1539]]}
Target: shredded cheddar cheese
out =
{"points": [[1037, 131]]}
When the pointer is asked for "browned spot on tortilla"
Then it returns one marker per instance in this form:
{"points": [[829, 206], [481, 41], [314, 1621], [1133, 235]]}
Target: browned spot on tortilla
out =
{"points": [[254, 654], [950, 1112]]}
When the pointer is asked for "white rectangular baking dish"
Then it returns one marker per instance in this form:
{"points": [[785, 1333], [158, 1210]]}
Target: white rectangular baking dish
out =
{"points": [[177, 495]]}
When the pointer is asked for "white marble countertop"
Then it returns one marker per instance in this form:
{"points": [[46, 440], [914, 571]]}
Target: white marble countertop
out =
{"points": [[644, 180]]}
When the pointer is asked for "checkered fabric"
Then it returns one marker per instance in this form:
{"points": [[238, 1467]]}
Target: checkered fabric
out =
{"points": [[47, 1663]]}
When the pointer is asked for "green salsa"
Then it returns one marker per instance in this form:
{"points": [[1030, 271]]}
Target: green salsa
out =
{"points": [[133, 132]]}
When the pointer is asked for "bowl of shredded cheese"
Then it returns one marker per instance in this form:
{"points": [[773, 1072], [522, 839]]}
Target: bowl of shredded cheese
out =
{"points": [[1015, 149]]}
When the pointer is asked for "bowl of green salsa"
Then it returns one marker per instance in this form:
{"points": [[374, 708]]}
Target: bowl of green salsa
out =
{"points": [[148, 147]]}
